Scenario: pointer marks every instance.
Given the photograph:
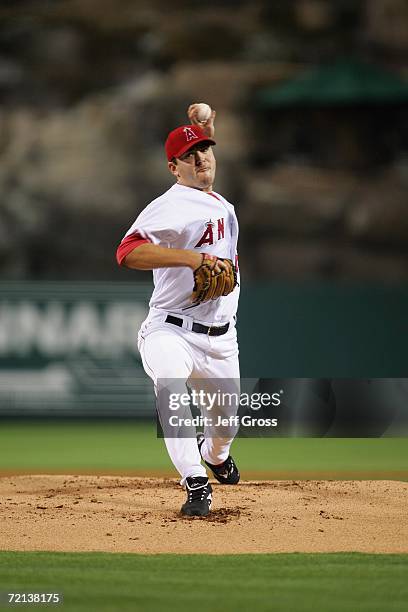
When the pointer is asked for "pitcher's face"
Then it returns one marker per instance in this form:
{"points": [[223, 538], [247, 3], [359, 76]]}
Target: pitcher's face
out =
{"points": [[196, 167]]}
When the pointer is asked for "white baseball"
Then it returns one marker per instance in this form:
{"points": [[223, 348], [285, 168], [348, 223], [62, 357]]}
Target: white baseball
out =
{"points": [[203, 112]]}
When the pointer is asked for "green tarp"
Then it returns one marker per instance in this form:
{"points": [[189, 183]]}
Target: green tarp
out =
{"points": [[345, 82]]}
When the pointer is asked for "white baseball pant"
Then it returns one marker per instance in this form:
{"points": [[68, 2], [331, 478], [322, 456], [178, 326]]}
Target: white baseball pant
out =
{"points": [[171, 352]]}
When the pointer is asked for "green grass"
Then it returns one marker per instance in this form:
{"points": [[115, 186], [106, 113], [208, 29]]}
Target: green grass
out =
{"points": [[282, 582], [100, 446], [87, 445]]}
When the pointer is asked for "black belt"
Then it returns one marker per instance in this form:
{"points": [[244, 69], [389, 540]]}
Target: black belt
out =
{"points": [[198, 328]]}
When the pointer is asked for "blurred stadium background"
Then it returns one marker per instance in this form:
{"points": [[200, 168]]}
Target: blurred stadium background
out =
{"points": [[312, 131]]}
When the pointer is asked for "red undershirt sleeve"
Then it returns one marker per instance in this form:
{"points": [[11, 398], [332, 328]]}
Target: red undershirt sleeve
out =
{"points": [[128, 244]]}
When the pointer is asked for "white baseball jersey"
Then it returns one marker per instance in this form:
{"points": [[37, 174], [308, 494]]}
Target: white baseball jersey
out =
{"points": [[188, 218]]}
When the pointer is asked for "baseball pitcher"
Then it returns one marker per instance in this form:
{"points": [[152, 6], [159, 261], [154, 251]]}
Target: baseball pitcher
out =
{"points": [[188, 236]]}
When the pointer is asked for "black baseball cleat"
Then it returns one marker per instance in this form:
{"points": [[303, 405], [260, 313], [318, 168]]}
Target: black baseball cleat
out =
{"points": [[226, 473], [199, 496]]}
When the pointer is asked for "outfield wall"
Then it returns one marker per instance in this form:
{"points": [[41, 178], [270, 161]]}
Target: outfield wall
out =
{"points": [[70, 348]]}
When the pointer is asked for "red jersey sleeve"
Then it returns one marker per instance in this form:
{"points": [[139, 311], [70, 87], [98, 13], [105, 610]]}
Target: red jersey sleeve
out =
{"points": [[128, 244]]}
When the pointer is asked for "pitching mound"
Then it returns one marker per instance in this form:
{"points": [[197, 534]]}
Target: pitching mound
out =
{"points": [[141, 515]]}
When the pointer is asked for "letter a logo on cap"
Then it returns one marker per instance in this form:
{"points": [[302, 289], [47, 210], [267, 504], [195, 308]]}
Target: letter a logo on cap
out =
{"points": [[189, 134]]}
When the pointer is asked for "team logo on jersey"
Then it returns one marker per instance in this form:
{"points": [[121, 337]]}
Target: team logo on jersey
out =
{"points": [[189, 134], [212, 228]]}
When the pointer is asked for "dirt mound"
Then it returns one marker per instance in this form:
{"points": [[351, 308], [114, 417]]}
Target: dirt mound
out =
{"points": [[142, 515]]}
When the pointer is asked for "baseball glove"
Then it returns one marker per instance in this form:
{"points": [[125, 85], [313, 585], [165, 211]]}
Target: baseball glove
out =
{"points": [[209, 283]]}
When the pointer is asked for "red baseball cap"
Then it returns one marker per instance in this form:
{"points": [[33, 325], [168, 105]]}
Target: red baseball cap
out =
{"points": [[183, 138]]}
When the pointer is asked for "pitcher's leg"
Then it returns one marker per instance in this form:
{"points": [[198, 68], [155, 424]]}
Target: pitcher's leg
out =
{"points": [[216, 442], [220, 434], [166, 357], [223, 376]]}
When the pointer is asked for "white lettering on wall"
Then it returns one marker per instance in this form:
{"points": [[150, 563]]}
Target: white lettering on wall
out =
{"points": [[57, 329]]}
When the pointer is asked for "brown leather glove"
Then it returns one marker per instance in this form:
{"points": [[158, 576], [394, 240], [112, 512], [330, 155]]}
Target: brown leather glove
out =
{"points": [[214, 278]]}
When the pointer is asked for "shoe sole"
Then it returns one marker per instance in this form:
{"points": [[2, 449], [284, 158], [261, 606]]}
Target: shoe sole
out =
{"points": [[216, 476], [224, 482]]}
